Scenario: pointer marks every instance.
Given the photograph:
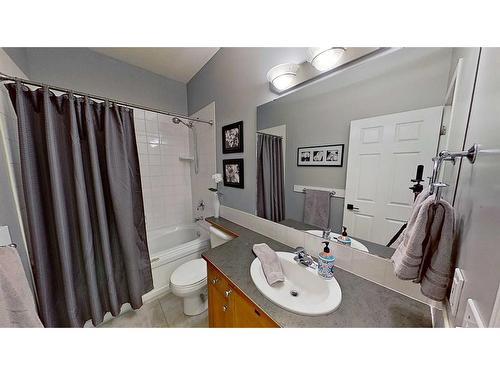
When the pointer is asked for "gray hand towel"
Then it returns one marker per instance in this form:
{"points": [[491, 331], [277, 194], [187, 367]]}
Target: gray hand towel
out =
{"points": [[408, 255], [271, 264], [317, 208], [17, 307], [437, 273]]}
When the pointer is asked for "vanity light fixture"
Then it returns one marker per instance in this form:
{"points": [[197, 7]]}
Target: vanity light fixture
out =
{"points": [[324, 58], [282, 76]]}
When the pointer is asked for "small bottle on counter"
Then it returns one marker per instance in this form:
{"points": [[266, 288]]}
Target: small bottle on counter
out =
{"points": [[344, 238], [325, 262]]}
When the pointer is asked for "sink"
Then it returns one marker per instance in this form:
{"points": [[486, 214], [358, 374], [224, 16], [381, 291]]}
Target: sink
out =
{"points": [[333, 237], [303, 291]]}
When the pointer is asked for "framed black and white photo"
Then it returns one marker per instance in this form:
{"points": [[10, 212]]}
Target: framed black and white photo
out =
{"points": [[320, 156], [232, 138], [233, 173]]}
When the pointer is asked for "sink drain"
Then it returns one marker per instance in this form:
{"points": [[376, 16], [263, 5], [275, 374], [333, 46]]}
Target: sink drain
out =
{"points": [[294, 293]]}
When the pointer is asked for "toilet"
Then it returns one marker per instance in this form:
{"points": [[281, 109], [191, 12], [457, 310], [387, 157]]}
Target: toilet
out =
{"points": [[189, 281]]}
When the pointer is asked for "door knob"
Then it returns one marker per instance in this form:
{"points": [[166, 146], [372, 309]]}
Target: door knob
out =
{"points": [[351, 207], [215, 281], [227, 293], [224, 308]]}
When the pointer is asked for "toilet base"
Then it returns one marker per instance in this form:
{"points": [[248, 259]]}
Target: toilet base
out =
{"points": [[195, 305]]}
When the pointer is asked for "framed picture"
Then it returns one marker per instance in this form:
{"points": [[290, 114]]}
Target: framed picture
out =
{"points": [[233, 172], [232, 138], [320, 156]]}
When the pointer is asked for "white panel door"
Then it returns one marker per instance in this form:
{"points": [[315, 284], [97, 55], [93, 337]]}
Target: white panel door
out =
{"points": [[384, 152]]}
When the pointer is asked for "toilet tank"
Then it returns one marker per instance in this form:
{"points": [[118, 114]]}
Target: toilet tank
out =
{"points": [[218, 237]]}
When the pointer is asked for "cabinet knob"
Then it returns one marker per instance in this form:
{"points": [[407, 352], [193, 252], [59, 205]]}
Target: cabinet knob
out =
{"points": [[227, 293], [215, 281], [224, 308]]}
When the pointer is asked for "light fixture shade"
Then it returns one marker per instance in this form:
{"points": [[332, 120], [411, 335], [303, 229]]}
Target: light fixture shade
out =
{"points": [[282, 76], [324, 58]]}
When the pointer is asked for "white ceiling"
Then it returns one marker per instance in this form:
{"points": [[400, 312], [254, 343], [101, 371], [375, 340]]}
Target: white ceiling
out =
{"points": [[180, 64]]}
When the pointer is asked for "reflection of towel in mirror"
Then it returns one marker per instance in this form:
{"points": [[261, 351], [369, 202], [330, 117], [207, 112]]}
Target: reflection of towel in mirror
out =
{"points": [[424, 194], [271, 264], [17, 307], [317, 208]]}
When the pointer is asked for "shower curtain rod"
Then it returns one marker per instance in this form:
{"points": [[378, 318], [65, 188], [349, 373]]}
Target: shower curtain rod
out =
{"points": [[5, 77]]}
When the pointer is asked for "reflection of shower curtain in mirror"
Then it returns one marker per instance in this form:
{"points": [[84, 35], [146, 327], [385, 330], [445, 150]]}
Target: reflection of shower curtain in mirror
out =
{"points": [[270, 176]]}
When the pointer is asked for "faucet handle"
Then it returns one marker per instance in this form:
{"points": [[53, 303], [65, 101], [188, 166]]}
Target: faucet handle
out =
{"points": [[300, 252]]}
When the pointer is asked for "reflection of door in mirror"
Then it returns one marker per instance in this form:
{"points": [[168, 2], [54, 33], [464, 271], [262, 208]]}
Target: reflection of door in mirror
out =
{"points": [[271, 149], [384, 153]]}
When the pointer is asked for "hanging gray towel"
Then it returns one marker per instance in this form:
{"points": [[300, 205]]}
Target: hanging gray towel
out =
{"points": [[437, 274], [271, 264], [317, 208], [408, 255], [17, 307]]}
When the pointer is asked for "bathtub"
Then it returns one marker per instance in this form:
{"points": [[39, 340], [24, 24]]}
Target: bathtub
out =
{"points": [[171, 247]]}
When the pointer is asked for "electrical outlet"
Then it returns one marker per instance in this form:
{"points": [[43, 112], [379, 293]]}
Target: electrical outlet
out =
{"points": [[456, 290], [472, 318]]}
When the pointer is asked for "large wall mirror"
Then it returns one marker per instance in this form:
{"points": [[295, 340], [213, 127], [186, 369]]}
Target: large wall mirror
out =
{"points": [[345, 151]]}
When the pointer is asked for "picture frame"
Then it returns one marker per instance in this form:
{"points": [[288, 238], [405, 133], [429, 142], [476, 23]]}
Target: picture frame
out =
{"points": [[232, 138], [233, 173], [321, 156]]}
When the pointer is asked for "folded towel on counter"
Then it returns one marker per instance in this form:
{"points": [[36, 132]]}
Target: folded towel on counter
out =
{"points": [[408, 255], [437, 271], [424, 194], [17, 307], [317, 208], [271, 264]]}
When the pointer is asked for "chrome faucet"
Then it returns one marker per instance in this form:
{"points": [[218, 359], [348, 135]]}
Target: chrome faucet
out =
{"points": [[301, 257], [326, 233]]}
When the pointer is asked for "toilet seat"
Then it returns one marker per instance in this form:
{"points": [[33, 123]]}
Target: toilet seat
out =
{"points": [[190, 275]]}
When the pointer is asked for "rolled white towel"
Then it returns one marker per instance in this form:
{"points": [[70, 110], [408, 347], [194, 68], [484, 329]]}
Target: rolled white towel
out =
{"points": [[271, 264]]}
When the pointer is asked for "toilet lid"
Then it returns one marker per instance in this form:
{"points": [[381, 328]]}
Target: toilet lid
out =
{"points": [[190, 273]]}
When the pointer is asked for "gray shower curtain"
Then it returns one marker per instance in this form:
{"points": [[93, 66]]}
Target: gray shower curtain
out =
{"points": [[85, 216], [270, 175]]}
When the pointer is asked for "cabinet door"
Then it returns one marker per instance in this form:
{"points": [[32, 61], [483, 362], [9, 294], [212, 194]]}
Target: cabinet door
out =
{"points": [[220, 309], [220, 300], [247, 315]]}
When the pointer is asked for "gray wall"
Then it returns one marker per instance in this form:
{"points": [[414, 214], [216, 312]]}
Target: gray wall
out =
{"points": [[235, 78], [478, 193], [88, 71], [325, 118]]}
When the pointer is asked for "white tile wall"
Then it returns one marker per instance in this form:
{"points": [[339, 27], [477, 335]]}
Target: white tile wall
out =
{"points": [[166, 180], [207, 166], [370, 267]]}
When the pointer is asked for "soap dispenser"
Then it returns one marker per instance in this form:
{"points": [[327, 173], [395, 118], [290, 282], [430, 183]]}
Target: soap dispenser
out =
{"points": [[325, 262], [344, 238]]}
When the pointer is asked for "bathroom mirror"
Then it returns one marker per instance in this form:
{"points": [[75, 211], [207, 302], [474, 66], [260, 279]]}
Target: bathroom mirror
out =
{"points": [[353, 142]]}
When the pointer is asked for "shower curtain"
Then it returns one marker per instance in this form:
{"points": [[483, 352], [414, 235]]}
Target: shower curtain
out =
{"points": [[270, 175], [83, 196]]}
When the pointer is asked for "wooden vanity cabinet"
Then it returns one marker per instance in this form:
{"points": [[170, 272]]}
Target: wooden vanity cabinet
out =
{"points": [[228, 307]]}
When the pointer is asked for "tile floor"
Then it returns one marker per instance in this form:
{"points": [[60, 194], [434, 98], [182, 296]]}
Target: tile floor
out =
{"points": [[163, 312]]}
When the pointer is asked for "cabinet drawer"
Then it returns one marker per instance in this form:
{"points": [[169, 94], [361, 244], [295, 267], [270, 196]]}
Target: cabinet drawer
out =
{"points": [[216, 280]]}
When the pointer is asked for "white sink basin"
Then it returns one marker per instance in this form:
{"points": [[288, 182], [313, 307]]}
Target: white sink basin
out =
{"points": [[333, 237], [314, 295]]}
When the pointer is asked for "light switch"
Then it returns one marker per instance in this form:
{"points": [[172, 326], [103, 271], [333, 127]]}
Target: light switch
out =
{"points": [[456, 290], [472, 318]]}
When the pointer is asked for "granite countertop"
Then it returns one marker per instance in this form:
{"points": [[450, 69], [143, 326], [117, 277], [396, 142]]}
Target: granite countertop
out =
{"points": [[364, 304], [373, 248]]}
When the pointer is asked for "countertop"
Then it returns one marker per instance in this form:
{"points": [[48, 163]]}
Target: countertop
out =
{"points": [[373, 248], [364, 304]]}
